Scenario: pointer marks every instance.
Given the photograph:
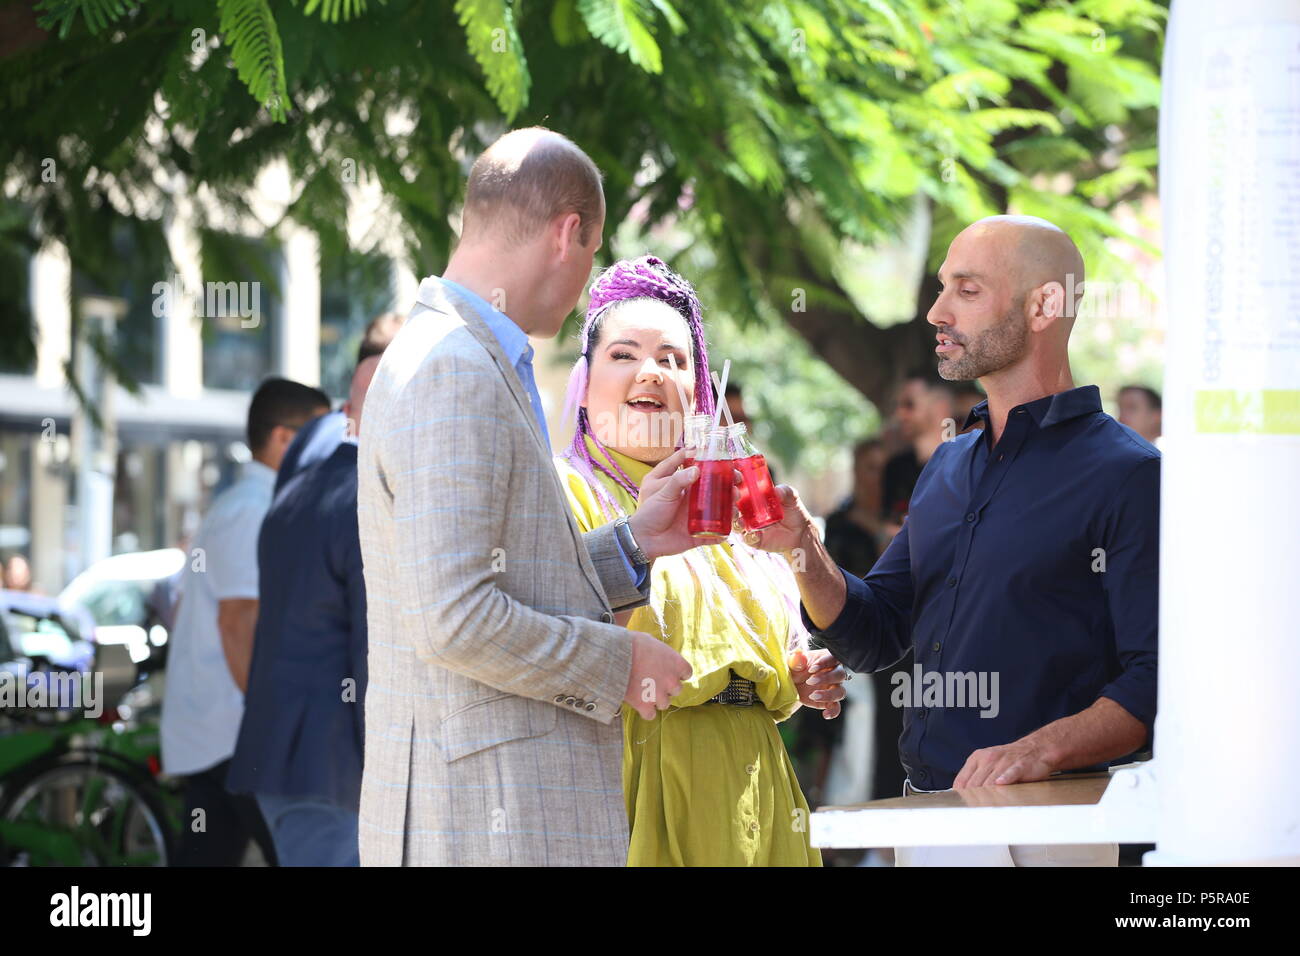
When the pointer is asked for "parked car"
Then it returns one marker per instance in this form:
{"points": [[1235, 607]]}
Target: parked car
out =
{"points": [[38, 631], [131, 598]]}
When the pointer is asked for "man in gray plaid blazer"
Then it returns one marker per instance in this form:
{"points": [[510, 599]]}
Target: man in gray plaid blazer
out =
{"points": [[496, 669]]}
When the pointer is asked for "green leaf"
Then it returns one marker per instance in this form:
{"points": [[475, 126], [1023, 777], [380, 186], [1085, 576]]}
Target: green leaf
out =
{"points": [[1111, 185], [249, 30], [566, 23], [493, 39], [97, 13], [965, 88], [997, 120], [675, 22], [622, 26], [331, 11]]}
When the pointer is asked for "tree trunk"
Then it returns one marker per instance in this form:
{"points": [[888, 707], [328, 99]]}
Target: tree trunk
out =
{"points": [[872, 359]]}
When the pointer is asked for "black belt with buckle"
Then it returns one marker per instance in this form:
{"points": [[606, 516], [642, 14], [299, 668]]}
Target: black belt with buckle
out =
{"points": [[739, 692]]}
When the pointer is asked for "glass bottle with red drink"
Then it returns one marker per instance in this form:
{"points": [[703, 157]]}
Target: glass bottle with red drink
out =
{"points": [[695, 432], [756, 498], [711, 496]]}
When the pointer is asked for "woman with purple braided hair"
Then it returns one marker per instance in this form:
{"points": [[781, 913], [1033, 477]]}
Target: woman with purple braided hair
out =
{"points": [[707, 782]]}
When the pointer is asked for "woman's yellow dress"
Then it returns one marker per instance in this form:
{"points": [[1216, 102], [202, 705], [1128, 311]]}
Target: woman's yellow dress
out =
{"points": [[710, 784]]}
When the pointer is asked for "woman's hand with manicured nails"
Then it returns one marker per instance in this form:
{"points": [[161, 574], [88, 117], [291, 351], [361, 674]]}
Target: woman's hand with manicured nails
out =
{"points": [[819, 679], [659, 524]]}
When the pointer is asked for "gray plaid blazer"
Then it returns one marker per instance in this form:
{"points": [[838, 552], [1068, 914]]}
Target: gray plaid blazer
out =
{"points": [[496, 673]]}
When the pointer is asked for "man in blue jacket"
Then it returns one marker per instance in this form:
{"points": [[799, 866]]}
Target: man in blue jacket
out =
{"points": [[299, 747]]}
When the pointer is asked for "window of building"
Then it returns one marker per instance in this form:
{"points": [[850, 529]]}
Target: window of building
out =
{"points": [[239, 301], [139, 261], [355, 287], [16, 449]]}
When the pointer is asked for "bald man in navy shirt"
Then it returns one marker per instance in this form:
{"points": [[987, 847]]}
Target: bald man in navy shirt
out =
{"points": [[1025, 577]]}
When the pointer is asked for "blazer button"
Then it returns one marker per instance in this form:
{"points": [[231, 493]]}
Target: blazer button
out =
{"points": [[606, 617]]}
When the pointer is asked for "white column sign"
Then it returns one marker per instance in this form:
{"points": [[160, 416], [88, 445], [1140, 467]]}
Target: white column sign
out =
{"points": [[1227, 743]]}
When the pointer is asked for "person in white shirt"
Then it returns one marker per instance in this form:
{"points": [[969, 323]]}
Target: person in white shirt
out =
{"points": [[212, 645]]}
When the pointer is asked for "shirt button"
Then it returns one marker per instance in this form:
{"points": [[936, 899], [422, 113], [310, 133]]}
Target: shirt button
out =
{"points": [[921, 713], [937, 645], [751, 769], [952, 582], [753, 826]]}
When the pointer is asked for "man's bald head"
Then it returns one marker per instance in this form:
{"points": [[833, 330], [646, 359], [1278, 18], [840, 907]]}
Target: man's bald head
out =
{"points": [[523, 181], [1034, 252], [1010, 294]]}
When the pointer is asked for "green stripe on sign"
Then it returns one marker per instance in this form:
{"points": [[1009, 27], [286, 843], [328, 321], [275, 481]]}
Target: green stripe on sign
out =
{"points": [[1225, 411]]}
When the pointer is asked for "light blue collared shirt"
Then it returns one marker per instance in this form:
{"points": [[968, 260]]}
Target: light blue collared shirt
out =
{"points": [[514, 343]]}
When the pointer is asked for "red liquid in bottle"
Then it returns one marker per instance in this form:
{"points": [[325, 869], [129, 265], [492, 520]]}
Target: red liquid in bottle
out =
{"points": [[741, 493], [758, 503], [711, 499]]}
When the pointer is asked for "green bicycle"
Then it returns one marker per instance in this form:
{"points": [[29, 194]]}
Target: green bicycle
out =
{"points": [[82, 791]]}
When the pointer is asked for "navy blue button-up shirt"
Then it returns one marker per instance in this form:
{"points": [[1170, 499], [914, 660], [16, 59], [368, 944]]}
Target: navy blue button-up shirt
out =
{"points": [[1032, 567]]}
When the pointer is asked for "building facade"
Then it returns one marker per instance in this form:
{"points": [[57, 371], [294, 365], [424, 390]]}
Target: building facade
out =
{"points": [[198, 345]]}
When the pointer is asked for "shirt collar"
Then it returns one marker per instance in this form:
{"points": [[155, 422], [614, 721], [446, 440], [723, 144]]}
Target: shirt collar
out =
{"points": [[1050, 409], [513, 340], [254, 470]]}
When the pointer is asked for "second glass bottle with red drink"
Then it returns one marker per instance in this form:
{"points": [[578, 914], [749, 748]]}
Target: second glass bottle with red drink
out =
{"points": [[756, 498]]}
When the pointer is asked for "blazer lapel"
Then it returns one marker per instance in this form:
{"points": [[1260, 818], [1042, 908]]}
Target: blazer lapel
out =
{"points": [[444, 299], [480, 331]]}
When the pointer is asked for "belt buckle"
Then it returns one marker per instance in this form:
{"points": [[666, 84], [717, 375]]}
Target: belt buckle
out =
{"points": [[739, 692]]}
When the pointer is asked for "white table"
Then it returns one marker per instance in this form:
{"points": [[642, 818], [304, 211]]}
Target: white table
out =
{"points": [[1115, 807]]}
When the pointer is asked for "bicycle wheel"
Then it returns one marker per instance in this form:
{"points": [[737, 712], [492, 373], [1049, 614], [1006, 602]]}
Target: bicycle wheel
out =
{"points": [[83, 808]]}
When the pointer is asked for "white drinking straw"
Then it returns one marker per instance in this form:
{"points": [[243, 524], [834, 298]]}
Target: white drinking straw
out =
{"points": [[722, 393], [721, 386]]}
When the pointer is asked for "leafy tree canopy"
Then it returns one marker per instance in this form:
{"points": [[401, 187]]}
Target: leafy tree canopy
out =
{"points": [[781, 137]]}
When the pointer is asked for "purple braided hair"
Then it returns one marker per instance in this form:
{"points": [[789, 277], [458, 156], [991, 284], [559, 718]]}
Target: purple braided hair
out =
{"points": [[646, 277]]}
